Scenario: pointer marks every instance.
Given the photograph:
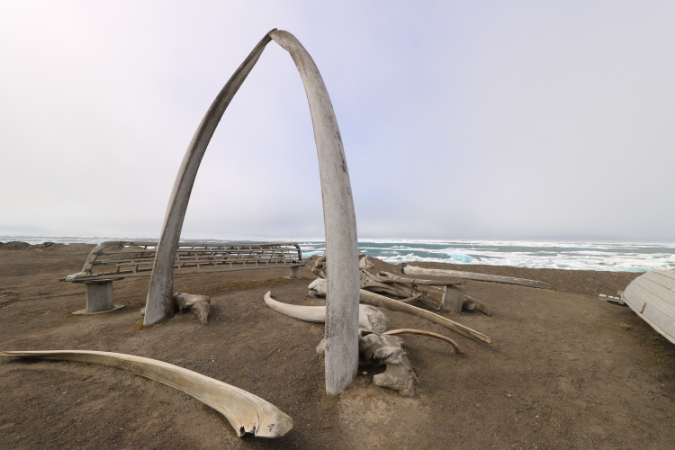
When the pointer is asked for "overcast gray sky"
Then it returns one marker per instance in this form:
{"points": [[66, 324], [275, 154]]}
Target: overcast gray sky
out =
{"points": [[461, 120]]}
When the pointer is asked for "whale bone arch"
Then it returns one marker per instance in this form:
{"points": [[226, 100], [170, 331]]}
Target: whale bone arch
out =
{"points": [[342, 348]]}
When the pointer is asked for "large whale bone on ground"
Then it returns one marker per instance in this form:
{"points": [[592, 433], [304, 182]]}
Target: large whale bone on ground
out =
{"points": [[369, 318], [198, 304], [380, 300], [384, 349], [414, 270], [432, 296], [452, 297], [454, 344], [247, 413], [318, 289]]}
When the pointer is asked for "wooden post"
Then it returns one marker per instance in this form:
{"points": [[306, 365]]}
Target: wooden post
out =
{"points": [[99, 298], [453, 299]]}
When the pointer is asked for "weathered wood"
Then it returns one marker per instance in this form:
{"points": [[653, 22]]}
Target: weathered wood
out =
{"points": [[392, 278], [380, 300], [99, 296], [666, 294], [453, 299], [661, 279], [426, 333], [413, 270], [206, 258], [656, 301], [653, 300], [431, 296], [667, 273], [247, 413], [450, 299]]}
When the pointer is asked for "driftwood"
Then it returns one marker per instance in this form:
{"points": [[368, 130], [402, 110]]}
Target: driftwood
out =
{"points": [[413, 270], [439, 295], [452, 300], [446, 296], [425, 333], [392, 278], [318, 289], [369, 318], [431, 296], [380, 300], [247, 413]]}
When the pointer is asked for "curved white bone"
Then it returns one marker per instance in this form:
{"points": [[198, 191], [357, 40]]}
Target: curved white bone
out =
{"points": [[247, 413], [342, 347], [454, 344], [386, 302], [414, 270], [370, 318]]}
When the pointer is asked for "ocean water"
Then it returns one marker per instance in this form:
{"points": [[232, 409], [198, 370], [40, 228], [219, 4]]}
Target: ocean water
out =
{"points": [[616, 256]]}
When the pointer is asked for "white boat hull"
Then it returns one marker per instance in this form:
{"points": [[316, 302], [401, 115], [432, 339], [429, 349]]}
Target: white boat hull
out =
{"points": [[652, 297]]}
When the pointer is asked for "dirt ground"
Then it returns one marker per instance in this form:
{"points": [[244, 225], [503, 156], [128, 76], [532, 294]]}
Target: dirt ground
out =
{"points": [[564, 370]]}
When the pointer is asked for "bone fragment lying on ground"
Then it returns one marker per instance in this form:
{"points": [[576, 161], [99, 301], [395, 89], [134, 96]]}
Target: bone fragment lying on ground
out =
{"points": [[388, 350], [246, 412], [198, 304], [369, 318], [380, 300], [318, 288], [320, 268], [385, 349], [412, 270], [471, 303], [425, 333]]}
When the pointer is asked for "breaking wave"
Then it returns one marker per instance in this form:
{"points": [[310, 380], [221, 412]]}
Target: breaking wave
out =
{"points": [[615, 257]]}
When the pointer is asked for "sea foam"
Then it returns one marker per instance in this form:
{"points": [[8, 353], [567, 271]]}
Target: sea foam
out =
{"points": [[601, 256]]}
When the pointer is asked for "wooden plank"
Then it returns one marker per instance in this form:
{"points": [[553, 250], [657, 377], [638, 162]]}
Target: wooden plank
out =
{"points": [[657, 289], [653, 302], [663, 324], [667, 273], [632, 297], [656, 277], [657, 328], [230, 268], [667, 309]]}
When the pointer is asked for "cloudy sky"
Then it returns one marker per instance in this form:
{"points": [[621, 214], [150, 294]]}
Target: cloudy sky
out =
{"points": [[461, 120]]}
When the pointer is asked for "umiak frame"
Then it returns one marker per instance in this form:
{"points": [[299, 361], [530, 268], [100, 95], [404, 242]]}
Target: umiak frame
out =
{"points": [[338, 210]]}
